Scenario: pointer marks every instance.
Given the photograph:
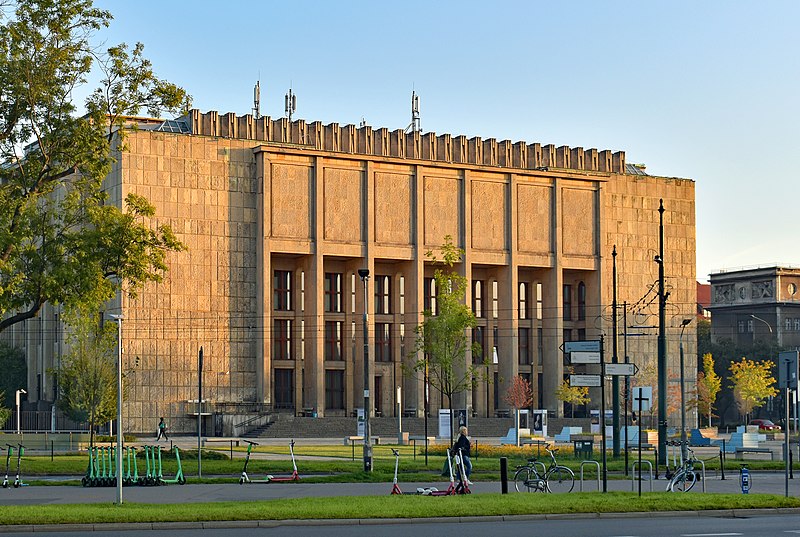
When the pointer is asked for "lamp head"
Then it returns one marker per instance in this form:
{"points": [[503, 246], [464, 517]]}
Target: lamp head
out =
{"points": [[363, 273], [685, 322], [22, 390]]}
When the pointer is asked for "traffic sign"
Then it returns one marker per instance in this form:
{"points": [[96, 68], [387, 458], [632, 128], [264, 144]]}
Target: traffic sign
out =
{"points": [[591, 381], [583, 357], [643, 396], [625, 370], [581, 346], [787, 370]]}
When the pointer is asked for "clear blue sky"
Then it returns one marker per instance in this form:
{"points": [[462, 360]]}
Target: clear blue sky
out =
{"points": [[701, 90]]}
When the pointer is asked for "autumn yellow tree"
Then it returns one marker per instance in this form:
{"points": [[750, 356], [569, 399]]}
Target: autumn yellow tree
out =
{"points": [[574, 395], [518, 395], [752, 384], [709, 385]]}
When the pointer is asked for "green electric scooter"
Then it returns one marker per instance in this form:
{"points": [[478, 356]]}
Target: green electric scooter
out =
{"points": [[179, 479], [18, 480], [9, 451]]}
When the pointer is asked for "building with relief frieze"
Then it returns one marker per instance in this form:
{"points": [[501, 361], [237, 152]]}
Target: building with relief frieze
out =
{"points": [[278, 217]]}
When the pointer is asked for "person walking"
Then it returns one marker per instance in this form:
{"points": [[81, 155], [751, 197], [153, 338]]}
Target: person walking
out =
{"points": [[463, 443], [162, 430]]}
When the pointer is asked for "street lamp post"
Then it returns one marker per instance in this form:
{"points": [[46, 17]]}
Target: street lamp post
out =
{"points": [[364, 275], [118, 319], [20, 391], [684, 324]]}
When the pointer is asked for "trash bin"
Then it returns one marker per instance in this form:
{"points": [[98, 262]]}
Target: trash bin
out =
{"points": [[584, 449]]}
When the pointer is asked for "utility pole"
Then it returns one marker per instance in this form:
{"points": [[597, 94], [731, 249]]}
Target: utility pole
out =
{"points": [[662, 343], [614, 360], [364, 275]]}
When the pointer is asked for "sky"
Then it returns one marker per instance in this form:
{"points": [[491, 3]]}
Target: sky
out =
{"points": [[706, 91]]}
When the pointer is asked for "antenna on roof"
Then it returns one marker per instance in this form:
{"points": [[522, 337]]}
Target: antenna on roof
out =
{"points": [[414, 126], [291, 104], [257, 100], [363, 122]]}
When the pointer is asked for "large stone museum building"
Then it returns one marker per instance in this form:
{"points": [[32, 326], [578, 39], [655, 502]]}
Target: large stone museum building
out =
{"points": [[279, 216]]}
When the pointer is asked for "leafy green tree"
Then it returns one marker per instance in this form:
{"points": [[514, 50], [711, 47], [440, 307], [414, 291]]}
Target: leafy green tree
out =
{"points": [[88, 375], [574, 395], [14, 373], [709, 385], [442, 341], [752, 384], [5, 412], [59, 241]]}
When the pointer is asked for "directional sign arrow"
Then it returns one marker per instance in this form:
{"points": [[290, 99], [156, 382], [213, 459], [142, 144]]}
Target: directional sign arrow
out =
{"points": [[581, 346], [625, 370]]}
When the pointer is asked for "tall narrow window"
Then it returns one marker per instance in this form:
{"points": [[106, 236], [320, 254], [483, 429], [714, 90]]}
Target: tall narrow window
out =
{"points": [[383, 295], [477, 298], [282, 339], [284, 388], [540, 345], [402, 295], [282, 295], [383, 342], [524, 346], [333, 340], [353, 293], [496, 337], [539, 304], [495, 301], [523, 300], [567, 301], [788, 324], [581, 301], [797, 324], [430, 295], [334, 389], [333, 292], [477, 337]]}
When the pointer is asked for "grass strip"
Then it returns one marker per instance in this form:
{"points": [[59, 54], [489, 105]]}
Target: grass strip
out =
{"points": [[387, 507]]}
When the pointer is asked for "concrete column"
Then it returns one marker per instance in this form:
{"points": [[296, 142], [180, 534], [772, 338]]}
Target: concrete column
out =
{"points": [[552, 318], [263, 280]]}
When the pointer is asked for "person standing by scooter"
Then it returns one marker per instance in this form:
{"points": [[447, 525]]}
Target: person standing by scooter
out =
{"points": [[162, 430], [463, 444]]}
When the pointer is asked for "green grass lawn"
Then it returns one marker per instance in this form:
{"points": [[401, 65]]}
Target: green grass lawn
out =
{"points": [[389, 507]]}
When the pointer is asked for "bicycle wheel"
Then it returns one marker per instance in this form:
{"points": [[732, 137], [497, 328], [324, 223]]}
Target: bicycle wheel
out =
{"points": [[560, 479], [682, 482], [522, 480]]}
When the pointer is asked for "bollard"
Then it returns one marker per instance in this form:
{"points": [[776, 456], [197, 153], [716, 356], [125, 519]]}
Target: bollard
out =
{"points": [[52, 449], [504, 475], [791, 470], [656, 460], [721, 466], [231, 449]]}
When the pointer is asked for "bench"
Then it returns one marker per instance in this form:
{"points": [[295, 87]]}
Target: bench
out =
{"points": [[410, 412], [741, 450], [231, 441], [353, 439], [502, 414]]}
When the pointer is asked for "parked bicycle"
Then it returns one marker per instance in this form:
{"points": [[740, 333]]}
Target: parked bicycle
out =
{"points": [[685, 476], [536, 477]]}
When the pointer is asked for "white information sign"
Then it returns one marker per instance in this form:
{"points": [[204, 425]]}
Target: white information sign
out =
{"points": [[584, 357], [444, 423], [591, 381]]}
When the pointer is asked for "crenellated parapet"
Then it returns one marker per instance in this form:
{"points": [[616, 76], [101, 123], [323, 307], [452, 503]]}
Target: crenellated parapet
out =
{"points": [[407, 145]]}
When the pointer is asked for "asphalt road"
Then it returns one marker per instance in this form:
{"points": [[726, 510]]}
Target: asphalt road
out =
{"points": [[761, 482]]}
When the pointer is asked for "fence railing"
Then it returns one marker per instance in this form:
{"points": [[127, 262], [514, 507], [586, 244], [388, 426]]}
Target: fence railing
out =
{"points": [[42, 420]]}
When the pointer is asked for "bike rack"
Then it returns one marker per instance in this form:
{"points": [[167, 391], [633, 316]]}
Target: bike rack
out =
{"points": [[704, 473], [597, 464], [634, 464]]}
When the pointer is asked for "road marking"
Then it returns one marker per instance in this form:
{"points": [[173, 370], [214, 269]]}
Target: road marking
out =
{"points": [[708, 534], [791, 531]]}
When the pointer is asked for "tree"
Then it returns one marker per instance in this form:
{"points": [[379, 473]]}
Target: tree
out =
{"points": [[518, 395], [442, 342], [752, 384], [88, 375], [5, 412], [574, 395], [59, 241], [708, 386], [15, 373]]}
